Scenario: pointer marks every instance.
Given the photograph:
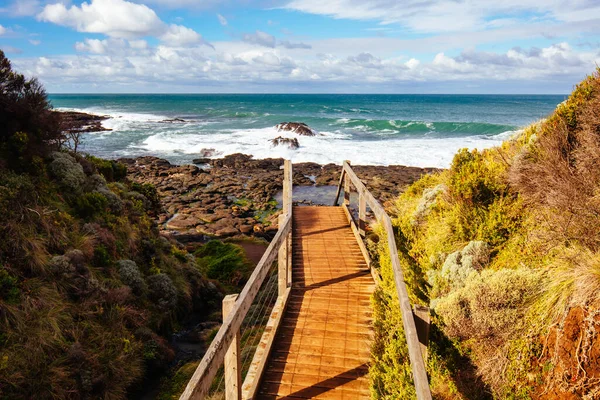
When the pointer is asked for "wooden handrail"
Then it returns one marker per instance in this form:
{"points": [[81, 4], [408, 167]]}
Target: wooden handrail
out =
{"points": [[199, 385], [412, 340]]}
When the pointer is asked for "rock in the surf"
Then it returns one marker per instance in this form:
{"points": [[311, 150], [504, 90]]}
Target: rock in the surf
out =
{"points": [[292, 143], [297, 127], [205, 155]]}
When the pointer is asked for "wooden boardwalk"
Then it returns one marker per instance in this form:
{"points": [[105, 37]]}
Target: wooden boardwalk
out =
{"points": [[317, 341], [322, 348]]}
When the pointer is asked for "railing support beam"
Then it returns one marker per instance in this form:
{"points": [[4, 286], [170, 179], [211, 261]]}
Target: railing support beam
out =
{"points": [[362, 215], [282, 262], [233, 367], [284, 256], [347, 186]]}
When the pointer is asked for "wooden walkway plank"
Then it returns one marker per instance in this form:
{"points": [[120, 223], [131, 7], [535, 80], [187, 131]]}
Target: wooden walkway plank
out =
{"points": [[322, 349]]}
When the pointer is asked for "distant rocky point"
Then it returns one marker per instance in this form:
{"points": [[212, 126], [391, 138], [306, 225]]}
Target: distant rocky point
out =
{"points": [[73, 121], [171, 120]]}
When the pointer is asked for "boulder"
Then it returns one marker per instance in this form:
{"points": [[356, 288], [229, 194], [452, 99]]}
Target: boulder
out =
{"points": [[292, 143], [297, 127], [245, 229], [183, 222], [227, 232]]}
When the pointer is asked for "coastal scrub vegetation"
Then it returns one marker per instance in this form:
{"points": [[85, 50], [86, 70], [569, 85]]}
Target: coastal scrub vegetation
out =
{"points": [[505, 248], [90, 293]]}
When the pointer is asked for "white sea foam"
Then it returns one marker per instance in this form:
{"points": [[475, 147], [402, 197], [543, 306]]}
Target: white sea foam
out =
{"points": [[140, 134], [330, 147]]}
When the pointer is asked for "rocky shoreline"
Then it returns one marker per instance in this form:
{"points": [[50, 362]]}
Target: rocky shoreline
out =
{"points": [[234, 195]]}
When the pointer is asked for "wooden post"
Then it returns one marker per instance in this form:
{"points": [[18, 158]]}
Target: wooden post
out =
{"points": [[233, 367], [285, 251], [421, 315], [347, 187], [287, 186], [289, 259], [282, 262], [362, 214]]}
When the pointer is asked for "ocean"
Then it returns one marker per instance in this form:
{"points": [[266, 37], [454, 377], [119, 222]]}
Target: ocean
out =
{"points": [[414, 130]]}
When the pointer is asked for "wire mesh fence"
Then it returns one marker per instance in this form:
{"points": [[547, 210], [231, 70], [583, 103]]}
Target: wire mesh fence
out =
{"points": [[251, 331]]}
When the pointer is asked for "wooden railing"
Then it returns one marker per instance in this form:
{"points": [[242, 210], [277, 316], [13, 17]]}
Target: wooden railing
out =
{"points": [[224, 349], [365, 198]]}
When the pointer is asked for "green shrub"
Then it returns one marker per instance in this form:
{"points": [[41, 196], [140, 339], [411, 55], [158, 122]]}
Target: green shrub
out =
{"points": [[390, 371], [475, 179], [68, 172], [131, 276], [102, 258], [490, 304], [9, 287], [110, 169], [149, 192], [15, 190], [91, 204], [172, 387], [224, 262], [162, 291]]}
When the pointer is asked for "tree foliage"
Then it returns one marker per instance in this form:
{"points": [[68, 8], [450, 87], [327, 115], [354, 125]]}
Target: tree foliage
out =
{"points": [[28, 127]]}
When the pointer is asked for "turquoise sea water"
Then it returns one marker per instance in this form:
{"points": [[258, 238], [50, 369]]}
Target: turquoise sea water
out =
{"points": [[419, 130]]}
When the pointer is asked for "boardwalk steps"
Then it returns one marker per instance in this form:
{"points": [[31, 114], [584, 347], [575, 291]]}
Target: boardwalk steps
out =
{"points": [[323, 346], [316, 343]]}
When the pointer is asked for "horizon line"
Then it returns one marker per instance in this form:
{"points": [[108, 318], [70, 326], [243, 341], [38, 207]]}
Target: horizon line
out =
{"points": [[311, 93]]}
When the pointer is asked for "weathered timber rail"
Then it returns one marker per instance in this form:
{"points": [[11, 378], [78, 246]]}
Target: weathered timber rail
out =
{"points": [[316, 342], [365, 198]]}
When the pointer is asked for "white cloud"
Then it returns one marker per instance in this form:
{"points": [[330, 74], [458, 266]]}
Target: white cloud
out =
{"points": [[115, 18], [260, 38], [289, 45], [138, 44], [35, 42], [449, 15], [267, 58], [114, 47], [222, 20], [93, 46], [179, 35], [10, 49], [412, 63], [2, 30], [22, 8], [119, 62]]}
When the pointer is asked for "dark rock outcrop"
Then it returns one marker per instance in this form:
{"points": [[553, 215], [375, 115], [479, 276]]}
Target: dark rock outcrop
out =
{"points": [[292, 143], [297, 127], [72, 121]]}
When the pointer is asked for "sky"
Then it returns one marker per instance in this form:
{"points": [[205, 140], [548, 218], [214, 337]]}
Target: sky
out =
{"points": [[303, 46]]}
